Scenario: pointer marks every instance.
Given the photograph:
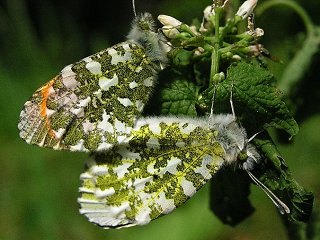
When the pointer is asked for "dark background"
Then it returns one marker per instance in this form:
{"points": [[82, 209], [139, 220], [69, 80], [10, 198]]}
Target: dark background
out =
{"points": [[39, 187]]}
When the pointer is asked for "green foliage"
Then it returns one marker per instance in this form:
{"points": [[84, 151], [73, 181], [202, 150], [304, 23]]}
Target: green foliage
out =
{"points": [[203, 58], [277, 177], [180, 98], [255, 97], [295, 71], [298, 66], [33, 181], [259, 102]]}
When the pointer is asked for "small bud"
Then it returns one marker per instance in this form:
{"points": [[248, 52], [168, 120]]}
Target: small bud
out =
{"points": [[259, 32], [198, 51], [255, 50], [194, 30], [236, 57], [169, 21], [247, 8], [169, 32], [170, 25], [218, 77], [208, 12]]}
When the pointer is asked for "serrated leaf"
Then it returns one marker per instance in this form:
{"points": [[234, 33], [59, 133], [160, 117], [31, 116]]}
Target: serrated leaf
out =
{"points": [[276, 176], [256, 100], [298, 199], [179, 98], [229, 191]]}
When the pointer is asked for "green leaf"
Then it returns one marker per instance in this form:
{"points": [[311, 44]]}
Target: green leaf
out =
{"points": [[264, 143], [298, 199], [179, 98], [229, 191], [277, 177], [180, 57], [256, 99]]}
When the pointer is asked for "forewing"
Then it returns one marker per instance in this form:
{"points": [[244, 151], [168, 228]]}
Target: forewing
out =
{"points": [[92, 104], [163, 165]]}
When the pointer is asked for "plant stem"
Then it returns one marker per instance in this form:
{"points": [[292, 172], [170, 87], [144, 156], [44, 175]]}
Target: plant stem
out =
{"points": [[304, 231], [215, 56], [298, 65]]}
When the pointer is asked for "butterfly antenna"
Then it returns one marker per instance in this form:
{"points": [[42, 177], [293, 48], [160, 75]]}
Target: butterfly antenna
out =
{"points": [[212, 101], [225, 2], [134, 8], [254, 135], [282, 207], [231, 102]]}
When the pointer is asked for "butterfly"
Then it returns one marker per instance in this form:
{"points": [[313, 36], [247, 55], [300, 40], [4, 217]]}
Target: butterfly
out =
{"points": [[93, 104], [140, 167], [165, 162]]}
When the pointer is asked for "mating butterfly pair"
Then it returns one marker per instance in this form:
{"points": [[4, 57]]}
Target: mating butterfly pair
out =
{"points": [[140, 168]]}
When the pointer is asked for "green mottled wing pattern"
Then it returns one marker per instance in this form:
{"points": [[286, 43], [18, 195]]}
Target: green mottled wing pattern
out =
{"points": [[165, 162], [92, 104]]}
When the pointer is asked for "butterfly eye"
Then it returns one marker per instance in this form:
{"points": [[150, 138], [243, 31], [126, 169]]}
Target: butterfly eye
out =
{"points": [[243, 156]]}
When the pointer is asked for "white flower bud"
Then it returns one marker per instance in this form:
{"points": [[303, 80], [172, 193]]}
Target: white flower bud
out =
{"points": [[194, 30], [259, 32], [255, 50], [247, 8], [222, 75], [170, 25], [208, 12], [169, 21], [198, 51], [169, 31]]}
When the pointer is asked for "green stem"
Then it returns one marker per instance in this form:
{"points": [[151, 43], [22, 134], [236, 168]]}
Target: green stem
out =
{"points": [[295, 230], [304, 231], [301, 62], [215, 59], [186, 28], [296, 7], [215, 56]]}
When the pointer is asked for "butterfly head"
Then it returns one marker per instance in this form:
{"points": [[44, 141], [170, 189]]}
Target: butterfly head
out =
{"points": [[248, 157], [234, 141], [144, 22], [143, 32]]}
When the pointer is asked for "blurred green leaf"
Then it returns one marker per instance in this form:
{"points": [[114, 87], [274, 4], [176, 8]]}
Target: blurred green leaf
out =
{"points": [[298, 199]]}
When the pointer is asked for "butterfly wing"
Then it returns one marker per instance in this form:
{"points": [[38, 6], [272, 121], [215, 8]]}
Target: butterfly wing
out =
{"points": [[165, 162], [92, 104]]}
